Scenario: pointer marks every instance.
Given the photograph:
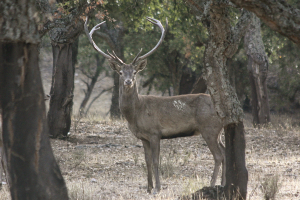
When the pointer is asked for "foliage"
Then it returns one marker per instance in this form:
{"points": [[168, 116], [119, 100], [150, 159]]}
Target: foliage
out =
{"points": [[284, 65], [86, 56], [182, 46]]}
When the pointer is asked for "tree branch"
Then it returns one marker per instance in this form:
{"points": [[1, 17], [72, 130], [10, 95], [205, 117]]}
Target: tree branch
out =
{"points": [[238, 32], [277, 14]]}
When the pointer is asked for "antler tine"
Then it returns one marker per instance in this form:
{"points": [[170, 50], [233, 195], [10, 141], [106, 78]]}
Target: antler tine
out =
{"points": [[136, 57], [158, 23], [116, 57], [90, 37], [112, 56]]}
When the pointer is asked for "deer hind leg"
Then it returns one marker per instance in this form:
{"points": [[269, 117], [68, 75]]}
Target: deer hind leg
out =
{"points": [[213, 145], [148, 158], [222, 148], [155, 148]]}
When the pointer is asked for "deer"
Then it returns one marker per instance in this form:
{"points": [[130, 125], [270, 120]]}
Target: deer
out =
{"points": [[153, 118]]}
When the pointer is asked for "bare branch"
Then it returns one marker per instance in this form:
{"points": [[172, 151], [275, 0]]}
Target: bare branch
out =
{"points": [[96, 97]]}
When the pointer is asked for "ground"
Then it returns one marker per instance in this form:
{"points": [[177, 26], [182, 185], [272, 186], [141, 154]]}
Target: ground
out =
{"points": [[102, 160]]}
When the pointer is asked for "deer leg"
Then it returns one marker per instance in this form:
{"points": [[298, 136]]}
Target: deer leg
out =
{"points": [[148, 158], [222, 147], [213, 145], [155, 148]]}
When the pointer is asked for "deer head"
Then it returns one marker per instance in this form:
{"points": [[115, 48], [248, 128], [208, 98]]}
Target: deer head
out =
{"points": [[127, 72]]}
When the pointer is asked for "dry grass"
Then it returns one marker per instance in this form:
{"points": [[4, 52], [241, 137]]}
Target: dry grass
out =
{"points": [[103, 160]]}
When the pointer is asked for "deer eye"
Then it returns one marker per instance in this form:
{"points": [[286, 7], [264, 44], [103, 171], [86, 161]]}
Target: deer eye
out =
{"points": [[120, 72], [134, 72]]}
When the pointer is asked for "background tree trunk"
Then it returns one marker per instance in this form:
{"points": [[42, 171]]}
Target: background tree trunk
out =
{"points": [[258, 71], [199, 86], [33, 171], [114, 38], [61, 101]]}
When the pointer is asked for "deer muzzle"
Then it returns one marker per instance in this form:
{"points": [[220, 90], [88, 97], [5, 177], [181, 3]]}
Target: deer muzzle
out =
{"points": [[128, 83]]}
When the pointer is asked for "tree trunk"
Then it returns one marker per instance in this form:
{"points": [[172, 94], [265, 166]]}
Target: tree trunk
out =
{"points": [[61, 102], [258, 71], [115, 112], [33, 171], [222, 44], [199, 86], [236, 172], [187, 81]]}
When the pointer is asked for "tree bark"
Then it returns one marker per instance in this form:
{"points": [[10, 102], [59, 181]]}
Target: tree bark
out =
{"points": [[277, 14], [33, 171], [258, 71], [61, 102], [235, 164], [115, 112], [223, 44], [60, 110]]}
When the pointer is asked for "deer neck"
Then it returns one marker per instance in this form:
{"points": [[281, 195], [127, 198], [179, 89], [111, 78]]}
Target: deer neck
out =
{"points": [[128, 101]]}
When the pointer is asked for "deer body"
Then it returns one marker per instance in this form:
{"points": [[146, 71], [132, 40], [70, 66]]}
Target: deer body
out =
{"points": [[152, 118], [170, 117]]}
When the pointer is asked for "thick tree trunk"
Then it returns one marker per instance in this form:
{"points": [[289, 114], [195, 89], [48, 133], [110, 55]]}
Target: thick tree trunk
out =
{"points": [[258, 71], [33, 171], [235, 162], [222, 44], [61, 102]]}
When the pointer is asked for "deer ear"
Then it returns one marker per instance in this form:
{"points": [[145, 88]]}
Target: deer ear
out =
{"points": [[114, 66], [141, 65]]}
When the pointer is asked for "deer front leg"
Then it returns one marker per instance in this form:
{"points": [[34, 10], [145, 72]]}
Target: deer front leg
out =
{"points": [[155, 148], [148, 158]]}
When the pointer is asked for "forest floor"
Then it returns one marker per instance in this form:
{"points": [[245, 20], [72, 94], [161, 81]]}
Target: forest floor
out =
{"points": [[102, 160]]}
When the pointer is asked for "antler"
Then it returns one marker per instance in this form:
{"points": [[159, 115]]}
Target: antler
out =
{"points": [[90, 37], [158, 23]]}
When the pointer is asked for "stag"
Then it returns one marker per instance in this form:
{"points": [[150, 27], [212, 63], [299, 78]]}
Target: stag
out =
{"points": [[152, 118]]}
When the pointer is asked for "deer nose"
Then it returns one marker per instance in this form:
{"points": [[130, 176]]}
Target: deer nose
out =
{"points": [[128, 82]]}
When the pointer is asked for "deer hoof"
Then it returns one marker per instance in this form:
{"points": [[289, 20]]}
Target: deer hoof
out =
{"points": [[156, 191]]}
